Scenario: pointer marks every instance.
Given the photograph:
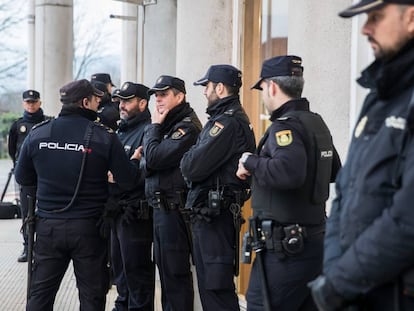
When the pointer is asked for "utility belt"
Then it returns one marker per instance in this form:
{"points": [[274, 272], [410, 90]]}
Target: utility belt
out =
{"points": [[283, 240], [161, 202], [218, 200], [140, 208]]}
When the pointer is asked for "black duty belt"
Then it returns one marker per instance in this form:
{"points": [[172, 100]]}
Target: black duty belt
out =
{"points": [[169, 206], [287, 239], [161, 201]]}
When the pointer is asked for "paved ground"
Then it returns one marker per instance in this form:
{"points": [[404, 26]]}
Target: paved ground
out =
{"points": [[13, 275]]}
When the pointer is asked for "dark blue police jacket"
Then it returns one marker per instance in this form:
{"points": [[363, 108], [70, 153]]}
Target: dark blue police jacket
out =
{"points": [[52, 154], [370, 231]]}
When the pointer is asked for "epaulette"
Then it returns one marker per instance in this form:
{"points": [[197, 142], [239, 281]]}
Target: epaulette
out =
{"points": [[186, 119], [230, 112], [41, 123], [101, 125], [283, 118]]}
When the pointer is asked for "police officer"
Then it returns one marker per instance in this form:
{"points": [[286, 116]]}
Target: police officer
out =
{"points": [[108, 112], [216, 194], [174, 129], [131, 245], [69, 158], [32, 115], [369, 252], [292, 168]]}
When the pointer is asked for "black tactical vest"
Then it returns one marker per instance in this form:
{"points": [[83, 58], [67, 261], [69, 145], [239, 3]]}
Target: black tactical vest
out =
{"points": [[304, 205]]}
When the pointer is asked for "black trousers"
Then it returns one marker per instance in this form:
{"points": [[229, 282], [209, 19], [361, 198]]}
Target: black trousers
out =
{"points": [[24, 207], [134, 270], [388, 297], [214, 253], [57, 243], [172, 256], [287, 278]]}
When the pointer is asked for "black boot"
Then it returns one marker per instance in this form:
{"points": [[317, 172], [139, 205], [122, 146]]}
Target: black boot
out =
{"points": [[23, 256]]}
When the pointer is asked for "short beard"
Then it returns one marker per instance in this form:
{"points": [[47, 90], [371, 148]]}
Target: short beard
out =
{"points": [[213, 102]]}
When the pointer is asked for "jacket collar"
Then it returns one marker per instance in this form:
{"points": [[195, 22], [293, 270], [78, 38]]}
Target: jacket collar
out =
{"points": [[300, 104], [392, 76]]}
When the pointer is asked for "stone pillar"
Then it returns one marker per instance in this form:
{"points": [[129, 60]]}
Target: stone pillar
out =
{"points": [[159, 37], [204, 38], [323, 40], [31, 20], [54, 50], [129, 43]]}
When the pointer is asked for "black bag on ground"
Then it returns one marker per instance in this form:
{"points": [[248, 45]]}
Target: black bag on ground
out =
{"points": [[9, 210]]}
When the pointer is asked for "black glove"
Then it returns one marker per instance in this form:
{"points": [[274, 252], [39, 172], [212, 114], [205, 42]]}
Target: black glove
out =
{"points": [[110, 212], [324, 295], [112, 208]]}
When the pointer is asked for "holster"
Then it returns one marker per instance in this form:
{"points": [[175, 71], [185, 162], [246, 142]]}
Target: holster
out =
{"points": [[273, 235], [163, 203], [141, 208]]}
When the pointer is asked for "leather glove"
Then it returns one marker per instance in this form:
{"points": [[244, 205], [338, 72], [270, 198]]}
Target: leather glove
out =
{"points": [[324, 295], [110, 212], [112, 208]]}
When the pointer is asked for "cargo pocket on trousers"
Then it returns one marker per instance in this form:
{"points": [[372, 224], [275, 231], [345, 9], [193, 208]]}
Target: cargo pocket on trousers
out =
{"points": [[219, 272]]}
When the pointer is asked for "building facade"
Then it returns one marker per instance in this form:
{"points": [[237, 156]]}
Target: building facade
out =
{"points": [[184, 37]]}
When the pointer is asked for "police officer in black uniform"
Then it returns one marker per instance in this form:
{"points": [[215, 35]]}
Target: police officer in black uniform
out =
{"points": [[174, 129], [216, 194], [292, 168], [131, 244], [369, 250], [32, 115], [108, 112], [69, 159]]}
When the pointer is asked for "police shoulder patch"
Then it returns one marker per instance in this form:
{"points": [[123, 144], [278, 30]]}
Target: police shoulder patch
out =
{"points": [[284, 138], [216, 129], [178, 134]]}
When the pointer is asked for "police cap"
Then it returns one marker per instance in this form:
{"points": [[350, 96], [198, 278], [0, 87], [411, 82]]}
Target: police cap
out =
{"points": [[287, 65], [131, 90], [225, 74], [77, 90], [99, 85], [165, 82], [365, 6], [103, 77], [31, 95]]}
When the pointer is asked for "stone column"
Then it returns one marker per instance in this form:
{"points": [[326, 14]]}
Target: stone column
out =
{"points": [[159, 37], [323, 40], [129, 42], [31, 20], [204, 38], [54, 50]]}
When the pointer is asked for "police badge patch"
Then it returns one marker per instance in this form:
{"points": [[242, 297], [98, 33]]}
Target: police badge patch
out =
{"points": [[178, 134], [216, 129], [284, 138], [23, 129]]}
